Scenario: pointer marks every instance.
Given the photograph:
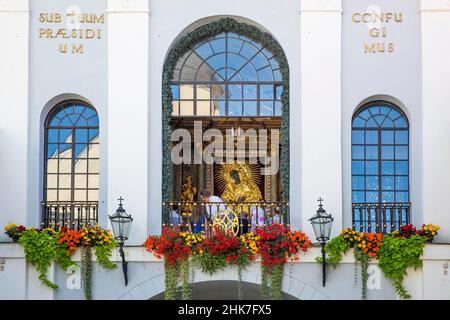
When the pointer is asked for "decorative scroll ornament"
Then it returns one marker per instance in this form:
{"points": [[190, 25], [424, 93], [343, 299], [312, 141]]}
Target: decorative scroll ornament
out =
{"points": [[228, 221]]}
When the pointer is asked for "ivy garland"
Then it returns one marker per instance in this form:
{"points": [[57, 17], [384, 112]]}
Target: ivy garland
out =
{"points": [[86, 271], [181, 47]]}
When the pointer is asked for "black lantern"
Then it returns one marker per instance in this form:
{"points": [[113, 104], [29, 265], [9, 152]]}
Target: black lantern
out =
{"points": [[121, 224], [322, 223]]}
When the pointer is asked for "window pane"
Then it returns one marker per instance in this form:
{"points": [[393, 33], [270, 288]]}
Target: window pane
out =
{"points": [[357, 183], [203, 108], [64, 195], [266, 108], [94, 166], [278, 92], [387, 196], [81, 166], [52, 135], [357, 167], [387, 152], [175, 108], [81, 151], [357, 137], [358, 197], [80, 181], [357, 152], [401, 153], [52, 181], [266, 92], [401, 183], [51, 195], [401, 167], [250, 108], [175, 92], [278, 108], [235, 92], [387, 137], [218, 92], [387, 183], [65, 150], [401, 197], [372, 167], [80, 195], [93, 195], [186, 91], [235, 108], [94, 151], [93, 135], [65, 166], [52, 166], [387, 167], [371, 197], [81, 135], [250, 92], [371, 137], [401, 137], [65, 135], [65, 181], [371, 183], [52, 150], [203, 92], [186, 108], [372, 153], [218, 108], [93, 181]]}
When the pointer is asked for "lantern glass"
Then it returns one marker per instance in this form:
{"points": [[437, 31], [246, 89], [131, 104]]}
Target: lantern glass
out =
{"points": [[322, 224], [121, 224]]}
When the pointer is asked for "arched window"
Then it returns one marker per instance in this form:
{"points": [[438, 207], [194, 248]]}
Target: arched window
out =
{"points": [[227, 75], [380, 166], [71, 163]]}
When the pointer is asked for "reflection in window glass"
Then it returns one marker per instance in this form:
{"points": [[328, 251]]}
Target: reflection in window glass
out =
{"points": [[72, 151], [380, 154], [231, 68]]}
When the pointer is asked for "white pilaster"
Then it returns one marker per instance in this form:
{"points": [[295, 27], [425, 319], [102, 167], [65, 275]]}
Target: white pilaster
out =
{"points": [[435, 24], [128, 36], [321, 109], [14, 22]]}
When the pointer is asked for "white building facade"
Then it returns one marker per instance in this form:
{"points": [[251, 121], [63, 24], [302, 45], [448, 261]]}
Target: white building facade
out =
{"points": [[343, 56]]}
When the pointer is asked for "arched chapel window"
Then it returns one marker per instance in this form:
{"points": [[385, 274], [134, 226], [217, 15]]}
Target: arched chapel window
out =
{"points": [[227, 75], [380, 166], [71, 164]]}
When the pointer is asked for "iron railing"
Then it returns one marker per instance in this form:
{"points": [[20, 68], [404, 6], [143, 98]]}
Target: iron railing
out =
{"points": [[195, 215], [380, 217], [71, 214]]}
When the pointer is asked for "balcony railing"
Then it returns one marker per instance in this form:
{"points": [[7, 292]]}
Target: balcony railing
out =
{"points": [[199, 215], [380, 217], [73, 215]]}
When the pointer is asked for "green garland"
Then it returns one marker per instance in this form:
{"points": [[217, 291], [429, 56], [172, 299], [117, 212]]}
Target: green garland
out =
{"points": [[264, 283], [185, 285], [396, 255], [181, 47], [276, 278], [86, 271], [41, 248], [363, 260], [171, 281]]}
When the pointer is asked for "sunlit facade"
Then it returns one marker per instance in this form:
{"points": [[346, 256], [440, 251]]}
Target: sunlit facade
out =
{"points": [[93, 93]]}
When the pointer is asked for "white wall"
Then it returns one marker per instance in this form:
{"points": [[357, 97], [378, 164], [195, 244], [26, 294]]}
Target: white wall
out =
{"points": [[320, 118], [14, 109], [128, 91], [435, 21]]}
